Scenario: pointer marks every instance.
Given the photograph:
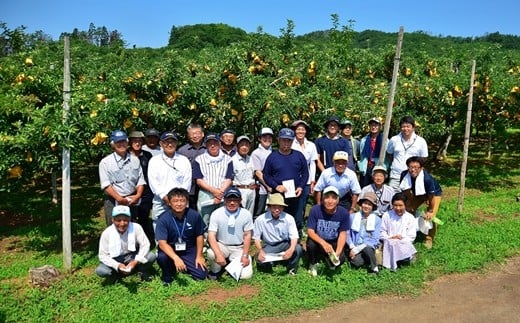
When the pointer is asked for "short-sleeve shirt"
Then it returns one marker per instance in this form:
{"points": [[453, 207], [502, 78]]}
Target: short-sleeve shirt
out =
{"points": [[328, 226], [402, 150], [272, 231], [123, 173], [170, 228], [345, 183], [230, 235]]}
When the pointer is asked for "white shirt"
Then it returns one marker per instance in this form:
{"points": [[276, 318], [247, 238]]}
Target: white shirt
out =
{"points": [[402, 150], [311, 155], [243, 170]]}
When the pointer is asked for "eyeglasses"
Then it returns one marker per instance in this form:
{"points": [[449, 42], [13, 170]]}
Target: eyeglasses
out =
{"points": [[414, 167]]}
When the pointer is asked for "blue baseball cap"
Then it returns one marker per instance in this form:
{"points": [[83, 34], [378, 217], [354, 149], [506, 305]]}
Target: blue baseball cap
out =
{"points": [[212, 136], [168, 135], [286, 133], [232, 191], [120, 210], [118, 135]]}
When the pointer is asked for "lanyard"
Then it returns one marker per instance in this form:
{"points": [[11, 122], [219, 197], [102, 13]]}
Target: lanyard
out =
{"points": [[404, 146], [177, 227]]}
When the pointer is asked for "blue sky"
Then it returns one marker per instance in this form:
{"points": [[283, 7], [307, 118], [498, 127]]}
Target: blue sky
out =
{"points": [[148, 23]]}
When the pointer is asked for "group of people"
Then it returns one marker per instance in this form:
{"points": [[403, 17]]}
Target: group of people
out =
{"points": [[207, 203]]}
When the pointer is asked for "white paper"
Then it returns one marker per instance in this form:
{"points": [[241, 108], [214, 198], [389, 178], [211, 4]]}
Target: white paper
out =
{"points": [[270, 257], [125, 269], [234, 268], [291, 190]]}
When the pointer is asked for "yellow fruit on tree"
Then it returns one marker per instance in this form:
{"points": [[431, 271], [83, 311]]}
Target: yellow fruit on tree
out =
{"points": [[285, 118], [15, 172], [243, 93], [100, 97], [93, 113], [28, 61], [135, 112], [98, 139], [213, 102], [127, 123]]}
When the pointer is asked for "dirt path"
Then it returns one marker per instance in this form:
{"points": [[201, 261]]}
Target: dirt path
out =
{"points": [[490, 297]]}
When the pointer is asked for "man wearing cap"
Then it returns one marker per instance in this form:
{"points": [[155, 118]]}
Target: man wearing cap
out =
{"points": [[275, 233], [244, 174], [136, 141], [346, 132], [327, 229], [403, 146], [370, 147], [152, 137], [229, 236], [121, 176], [192, 149], [258, 157], [344, 179], [308, 149], [227, 142], [166, 171], [213, 172], [124, 248], [286, 171], [383, 192], [331, 142], [180, 233]]}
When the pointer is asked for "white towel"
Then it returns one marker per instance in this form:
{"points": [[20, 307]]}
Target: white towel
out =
{"points": [[114, 242], [406, 183], [356, 222]]}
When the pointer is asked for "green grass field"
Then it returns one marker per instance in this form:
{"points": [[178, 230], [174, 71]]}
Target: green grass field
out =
{"points": [[30, 236]]}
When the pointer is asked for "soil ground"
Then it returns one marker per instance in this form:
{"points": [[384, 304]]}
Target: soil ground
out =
{"points": [[492, 296]]}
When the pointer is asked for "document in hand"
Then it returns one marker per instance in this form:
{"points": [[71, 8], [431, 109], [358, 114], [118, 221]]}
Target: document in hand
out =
{"points": [[234, 268], [291, 189]]}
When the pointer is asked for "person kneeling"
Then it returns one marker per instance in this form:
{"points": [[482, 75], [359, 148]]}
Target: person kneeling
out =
{"points": [[364, 233], [327, 230], [180, 233], [229, 236], [279, 234], [398, 231], [124, 248]]}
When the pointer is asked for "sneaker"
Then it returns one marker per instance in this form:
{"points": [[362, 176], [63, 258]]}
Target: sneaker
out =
{"points": [[313, 270], [291, 272], [145, 277], [374, 271], [212, 275], [166, 284]]}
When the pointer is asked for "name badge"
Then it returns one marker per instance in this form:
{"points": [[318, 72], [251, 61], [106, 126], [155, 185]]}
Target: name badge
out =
{"points": [[180, 246]]}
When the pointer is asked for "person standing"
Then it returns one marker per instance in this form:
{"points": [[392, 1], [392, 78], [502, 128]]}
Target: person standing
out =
{"points": [[403, 146], [344, 179], [308, 149], [180, 233], [331, 142], [346, 132], [286, 171], [229, 236], [166, 171], [192, 149], [327, 228], [258, 157], [151, 140], [421, 188], [275, 232], [213, 172], [227, 142], [244, 174], [121, 177], [136, 140], [370, 147], [383, 192]]}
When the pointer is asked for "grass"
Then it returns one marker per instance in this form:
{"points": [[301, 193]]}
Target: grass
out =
{"points": [[485, 232]]}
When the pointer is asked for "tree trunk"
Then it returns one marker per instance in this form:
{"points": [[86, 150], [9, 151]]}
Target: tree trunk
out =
{"points": [[443, 150]]}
